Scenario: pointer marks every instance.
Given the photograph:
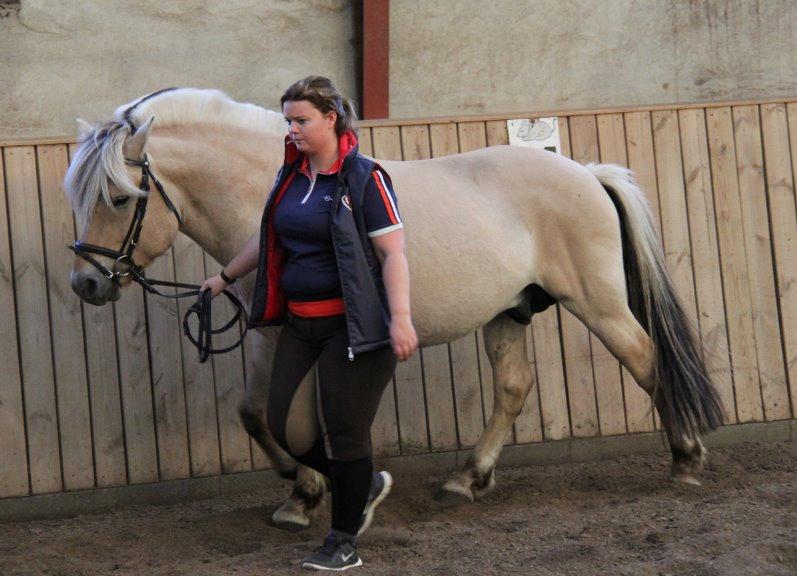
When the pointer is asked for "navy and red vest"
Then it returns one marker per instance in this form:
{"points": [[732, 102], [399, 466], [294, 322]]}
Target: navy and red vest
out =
{"points": [[363, 292]]}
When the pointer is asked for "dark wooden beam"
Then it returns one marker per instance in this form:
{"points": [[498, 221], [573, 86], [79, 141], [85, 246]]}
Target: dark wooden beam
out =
{"points": [[375, 91]]}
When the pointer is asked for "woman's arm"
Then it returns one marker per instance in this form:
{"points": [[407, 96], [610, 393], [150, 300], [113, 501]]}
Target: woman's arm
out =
{"points": [[389, 250]]}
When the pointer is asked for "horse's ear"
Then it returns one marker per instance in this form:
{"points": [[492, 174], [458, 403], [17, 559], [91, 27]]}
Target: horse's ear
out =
{"points": [[134, 146], [83, 127]]}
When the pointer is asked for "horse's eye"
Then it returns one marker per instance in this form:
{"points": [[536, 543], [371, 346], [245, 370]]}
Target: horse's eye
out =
{"points": [[120, 201]]}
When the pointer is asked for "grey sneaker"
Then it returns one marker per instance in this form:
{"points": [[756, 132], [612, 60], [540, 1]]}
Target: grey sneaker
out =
{"points": [[380, 488], [336, 555]]}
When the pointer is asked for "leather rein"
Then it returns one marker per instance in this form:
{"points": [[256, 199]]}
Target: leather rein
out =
{"points": [[124, 256]]}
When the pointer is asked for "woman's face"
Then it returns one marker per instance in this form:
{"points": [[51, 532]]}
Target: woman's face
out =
{"points": [[308, 128]]}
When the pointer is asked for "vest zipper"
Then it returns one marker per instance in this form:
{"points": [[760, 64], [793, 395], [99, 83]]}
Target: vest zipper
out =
{"points": [[310, 190], [351, 355]]}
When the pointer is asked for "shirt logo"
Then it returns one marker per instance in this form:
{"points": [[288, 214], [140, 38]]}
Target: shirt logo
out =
{"points": [[346, 202], [327, 198]]}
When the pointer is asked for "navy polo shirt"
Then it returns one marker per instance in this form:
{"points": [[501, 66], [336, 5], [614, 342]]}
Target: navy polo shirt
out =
{"points": [[303, 228]]}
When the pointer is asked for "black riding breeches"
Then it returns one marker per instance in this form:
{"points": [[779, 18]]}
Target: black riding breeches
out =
{"points": [[325, 423]]}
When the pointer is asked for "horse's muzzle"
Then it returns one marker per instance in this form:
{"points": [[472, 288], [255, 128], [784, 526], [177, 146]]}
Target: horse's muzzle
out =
{"points": [[92, 287]]}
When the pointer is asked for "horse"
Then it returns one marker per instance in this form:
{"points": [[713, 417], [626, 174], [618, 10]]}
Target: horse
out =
{"points": [[492, 237]]}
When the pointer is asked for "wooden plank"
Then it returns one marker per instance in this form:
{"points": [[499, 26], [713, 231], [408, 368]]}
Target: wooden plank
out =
{"points": [[722, 153], [408, 379], [497, 133], [74, 416], [472, 135], [387, 143], [439, 397], [105, 395], [705, 250], [385, 430], [364, 137], [167, 374], [783, 216], [575, 336], [444, 139], [639, 413], [761, 275], [257, 345], [13, 445], [415, 143], [200, 395], [136, 390], [228, 373], [35, 344]]}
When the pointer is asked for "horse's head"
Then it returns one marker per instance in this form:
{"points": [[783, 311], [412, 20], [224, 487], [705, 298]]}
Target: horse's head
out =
{"points": [[105, 187]]}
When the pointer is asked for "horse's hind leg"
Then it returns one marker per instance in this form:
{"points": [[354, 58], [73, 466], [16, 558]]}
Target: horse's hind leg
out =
{"points": [[606, 313], [309, 485], [505, 342]]}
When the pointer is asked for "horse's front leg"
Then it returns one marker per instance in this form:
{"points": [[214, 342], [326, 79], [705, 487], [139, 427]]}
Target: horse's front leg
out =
{"points": [[505, 342], [309, 486]]}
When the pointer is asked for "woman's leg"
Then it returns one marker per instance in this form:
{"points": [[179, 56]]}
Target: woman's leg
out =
{"points": [[348, 396], [291, 408]]}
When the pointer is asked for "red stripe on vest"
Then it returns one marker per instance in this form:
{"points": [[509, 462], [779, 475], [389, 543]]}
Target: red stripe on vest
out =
{"points": [[385, 199]]}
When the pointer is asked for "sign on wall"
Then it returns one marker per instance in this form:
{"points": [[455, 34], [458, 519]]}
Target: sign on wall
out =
{"points": [[535, 133]]}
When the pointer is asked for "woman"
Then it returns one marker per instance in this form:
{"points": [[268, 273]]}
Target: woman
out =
{"points": [[331, 269]]}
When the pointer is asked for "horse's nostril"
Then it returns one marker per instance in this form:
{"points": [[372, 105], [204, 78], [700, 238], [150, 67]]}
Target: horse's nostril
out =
{"points": [[89, 286]]}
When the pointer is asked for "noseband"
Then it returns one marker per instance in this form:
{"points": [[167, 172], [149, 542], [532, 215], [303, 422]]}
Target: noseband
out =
{"points": [[124, 257]]}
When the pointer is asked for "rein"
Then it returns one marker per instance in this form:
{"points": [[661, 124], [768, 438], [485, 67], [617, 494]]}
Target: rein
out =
{"points": [[124, 256]]}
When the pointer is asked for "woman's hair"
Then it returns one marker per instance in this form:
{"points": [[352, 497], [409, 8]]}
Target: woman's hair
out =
{"points": [[322, 93]]}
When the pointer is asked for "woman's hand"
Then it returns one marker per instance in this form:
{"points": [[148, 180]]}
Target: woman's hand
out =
{"points": [[403, 337], [215, 284]]}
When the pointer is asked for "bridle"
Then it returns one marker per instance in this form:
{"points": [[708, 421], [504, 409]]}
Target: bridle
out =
{"points": [[124, 257]]}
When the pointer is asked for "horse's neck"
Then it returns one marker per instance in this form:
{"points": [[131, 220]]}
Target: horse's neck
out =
{"points": [[224, 177]]}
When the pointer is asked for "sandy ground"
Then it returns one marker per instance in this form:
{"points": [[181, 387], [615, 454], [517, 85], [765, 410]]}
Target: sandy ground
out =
{"points": [[618, 516]]}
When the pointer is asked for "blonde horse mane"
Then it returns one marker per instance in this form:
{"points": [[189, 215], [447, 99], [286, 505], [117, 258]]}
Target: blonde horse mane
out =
{"points": [[99, 158]]}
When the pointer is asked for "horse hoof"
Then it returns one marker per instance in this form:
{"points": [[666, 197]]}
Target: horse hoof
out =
{"points": [[685, 479], [451, 494], [487, 487], [288, 517]]}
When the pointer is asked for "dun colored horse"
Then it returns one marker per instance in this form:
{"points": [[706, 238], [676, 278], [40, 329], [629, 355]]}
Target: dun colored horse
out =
{"points": [[492, 235]]}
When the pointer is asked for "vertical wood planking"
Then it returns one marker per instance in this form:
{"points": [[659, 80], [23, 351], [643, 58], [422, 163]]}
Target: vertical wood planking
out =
{"points": [[760, 272], [705, 249], [783, 216], [200, 397], [385, 430], [546, 340], [228, 374], [639, 147], [35, 344], [74, 416], [137, 408], [364, 138], [722, 153], [13, 444], [167, 374], [575, 336], [497, 133], [464, 351], [790, 338], [410, 402], [107, 425], [435, 359]]}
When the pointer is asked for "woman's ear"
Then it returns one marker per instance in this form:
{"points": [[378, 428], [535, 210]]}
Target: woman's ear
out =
{"points": [[332, 118]]}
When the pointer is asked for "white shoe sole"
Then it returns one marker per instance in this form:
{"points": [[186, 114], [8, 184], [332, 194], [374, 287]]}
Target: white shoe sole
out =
{"points": [[369, 516], [310, 566]]}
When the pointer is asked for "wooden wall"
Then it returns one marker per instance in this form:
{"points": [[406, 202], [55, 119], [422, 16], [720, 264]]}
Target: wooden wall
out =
{"points": [[113, 395]]}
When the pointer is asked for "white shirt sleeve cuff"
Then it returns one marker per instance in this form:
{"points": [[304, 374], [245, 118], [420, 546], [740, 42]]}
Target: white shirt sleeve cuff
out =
{"points": [[381, 231]]}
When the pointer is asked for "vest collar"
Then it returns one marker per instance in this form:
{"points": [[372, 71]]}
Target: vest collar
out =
{"points": [[346, 144]]}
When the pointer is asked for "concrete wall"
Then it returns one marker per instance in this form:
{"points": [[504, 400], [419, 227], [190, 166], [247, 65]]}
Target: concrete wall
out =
{"points": [[63, 59], [452, 57]]}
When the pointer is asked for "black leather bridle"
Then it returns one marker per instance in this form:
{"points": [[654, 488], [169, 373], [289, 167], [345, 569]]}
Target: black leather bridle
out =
{"points": [[124, 257]]}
